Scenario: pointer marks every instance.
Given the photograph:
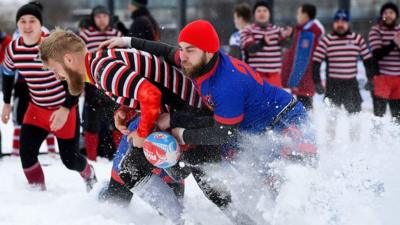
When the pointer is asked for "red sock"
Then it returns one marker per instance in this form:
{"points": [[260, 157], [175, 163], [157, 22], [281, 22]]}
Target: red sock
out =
{"points": [[50, 143], [35, 175], [91, 144], [85, 173], [15, 146]]}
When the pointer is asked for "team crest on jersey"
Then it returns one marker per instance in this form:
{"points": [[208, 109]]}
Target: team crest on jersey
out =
{"points": [[305, 44]]}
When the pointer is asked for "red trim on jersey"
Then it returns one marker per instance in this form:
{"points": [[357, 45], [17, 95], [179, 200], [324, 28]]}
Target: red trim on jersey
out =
{"points": [[205, 76], [229, 121]]}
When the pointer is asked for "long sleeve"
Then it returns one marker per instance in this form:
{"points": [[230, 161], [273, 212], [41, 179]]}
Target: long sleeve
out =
{"points": [[248, 43], [191, 120], [379, 50], [149, 98], [370, 68], [8, 86], [316, 72], [168, 52], [215, 135], [8, 72]]}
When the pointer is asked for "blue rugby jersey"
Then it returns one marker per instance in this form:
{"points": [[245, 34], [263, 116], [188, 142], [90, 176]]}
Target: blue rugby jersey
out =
{"points": [[238, 95]]}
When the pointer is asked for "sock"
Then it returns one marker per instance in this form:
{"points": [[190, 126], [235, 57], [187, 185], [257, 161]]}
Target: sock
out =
{"points": [[91, 144], [35, 175], [85, 173], [15, 146], [51, 147]]}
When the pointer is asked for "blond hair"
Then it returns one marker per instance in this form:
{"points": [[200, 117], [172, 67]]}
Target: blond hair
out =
{"points": [[59, 43]]}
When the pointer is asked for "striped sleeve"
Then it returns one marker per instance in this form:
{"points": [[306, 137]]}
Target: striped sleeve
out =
{"points": [[320, 51], [364, 51], [246, 37], [8, 64], [120, 80], [374, 37]]}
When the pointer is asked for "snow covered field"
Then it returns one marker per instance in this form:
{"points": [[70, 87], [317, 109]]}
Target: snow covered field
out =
{"points": [[356, 183]]}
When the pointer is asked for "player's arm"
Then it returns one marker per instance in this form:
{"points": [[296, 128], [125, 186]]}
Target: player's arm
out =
{"points": [[248, 43], [8, 85], [191, 119], [168, 52], [379, 53], [8, 76], [216, 135], [130, 84], [370, 68], [318, 58], [379, 50], [228, 116]]}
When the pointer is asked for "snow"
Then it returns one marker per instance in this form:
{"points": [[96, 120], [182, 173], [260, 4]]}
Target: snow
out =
{"points": [[356, 182]]}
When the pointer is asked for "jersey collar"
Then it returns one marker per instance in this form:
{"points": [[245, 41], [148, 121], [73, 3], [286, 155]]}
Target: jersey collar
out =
{"points": [[209, 69]]}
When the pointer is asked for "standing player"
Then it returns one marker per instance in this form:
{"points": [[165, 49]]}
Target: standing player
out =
{"points": [[297, 60], [241, 19], [341, 50], [98, 108], [51, 109], [261, 44], [384, 39], [21, 100]]}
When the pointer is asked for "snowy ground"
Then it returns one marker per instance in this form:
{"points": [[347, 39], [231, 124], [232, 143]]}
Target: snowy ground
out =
{"points": [[356, 183]]}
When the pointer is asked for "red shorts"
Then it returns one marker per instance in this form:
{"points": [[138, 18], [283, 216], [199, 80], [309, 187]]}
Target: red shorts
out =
{"points": [[387, 87], [40, 117], [272, 78]]}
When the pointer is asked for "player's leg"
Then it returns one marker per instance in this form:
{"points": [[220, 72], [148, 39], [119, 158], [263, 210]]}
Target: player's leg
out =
{"points": [[31, 139], [68, 145], [91, 121]]}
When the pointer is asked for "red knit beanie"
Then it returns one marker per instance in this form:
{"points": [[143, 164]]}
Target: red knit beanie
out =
{"points": [[201, 34]]}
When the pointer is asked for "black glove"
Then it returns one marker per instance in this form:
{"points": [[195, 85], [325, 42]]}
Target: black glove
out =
{"points": [[369, 86], [319, 88]]}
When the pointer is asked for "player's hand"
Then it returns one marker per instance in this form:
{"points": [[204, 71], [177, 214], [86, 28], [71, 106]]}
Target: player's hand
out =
{"points": [[288, 31], [136, 140], [116, 42], [119, 121], [5, 114], [178, 134], [267, 39], [58, 118], [164, 121]]}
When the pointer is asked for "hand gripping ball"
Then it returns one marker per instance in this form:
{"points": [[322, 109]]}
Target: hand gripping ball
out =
{"points": [[161, 149]]}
